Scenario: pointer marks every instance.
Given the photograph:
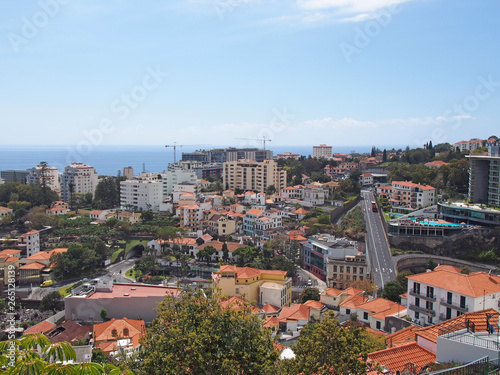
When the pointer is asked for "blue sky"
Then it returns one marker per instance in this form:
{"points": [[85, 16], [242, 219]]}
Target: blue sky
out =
{"points": [[301, 72]]}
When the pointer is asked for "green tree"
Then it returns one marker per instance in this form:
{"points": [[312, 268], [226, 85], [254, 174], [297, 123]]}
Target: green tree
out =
{"points": [[50, 301], [270, 190], [327, 348], [107, 194], [104, 315], [225, 252], [309, 294], [384, 156], [392, 291], [194, 335], [35, 354]]}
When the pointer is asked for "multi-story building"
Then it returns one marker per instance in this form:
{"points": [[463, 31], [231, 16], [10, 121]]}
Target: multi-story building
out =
{"points": [[228, 154], [252, 175], [32, 242], [484, 180], [340, 272], [78, 178], [315, 194], [322, 151], [190, 216], [446, 293], [128, 173], [249, 221], [469, 145], [260, 286], [141, 195], [319, 248], [12, 175], [268, 224], [409, 194], [50, 174], [288, 155]]}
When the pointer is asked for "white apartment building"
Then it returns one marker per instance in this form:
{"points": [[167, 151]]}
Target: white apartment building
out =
{"points": [[267, 224], [251, 175], [409, 194], [78, 178], [51, 177], [322, 151], [141, 195], [32, 242], [446, 293]]}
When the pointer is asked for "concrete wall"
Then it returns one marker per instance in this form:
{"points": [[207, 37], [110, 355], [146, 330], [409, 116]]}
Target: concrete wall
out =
{"points": [[407, 262], [337, 213], [454, 351]]}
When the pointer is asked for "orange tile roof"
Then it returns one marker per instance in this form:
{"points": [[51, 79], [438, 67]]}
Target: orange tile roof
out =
{"points": [[412, 185], [314, 304], [178, 241], [231, 246], [103, 331], [41, 327], [5, 209], [403, 336], [299, 211], [332, 292], [475, 284], [9, 252], [294, 313], [354, 301], [247, 272], [33, 266], [45, 255], [270, 309], [478, 318], [381, 307], [352, 291], [395, 359], [437, 162], [446, 267], [271, 321], [254, 211]]}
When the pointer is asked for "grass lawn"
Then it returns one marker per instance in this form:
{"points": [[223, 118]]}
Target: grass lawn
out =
{"points": [[66, 291], [130, 273], [115, 255]]}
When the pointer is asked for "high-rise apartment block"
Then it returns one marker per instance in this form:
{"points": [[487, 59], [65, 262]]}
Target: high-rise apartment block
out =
{"points": [[484, 181], [49, 174], [78, 178], [322, 151], [252, 175]]}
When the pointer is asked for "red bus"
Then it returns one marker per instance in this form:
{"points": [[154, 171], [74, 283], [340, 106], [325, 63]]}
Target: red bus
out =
{"points": [[374, 207]]}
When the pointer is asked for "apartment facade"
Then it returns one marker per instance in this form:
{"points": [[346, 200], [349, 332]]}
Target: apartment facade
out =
{"points": [[484, 180], [141, 195], [322, 151], [340, 272], [252, 175], [78, 178], [409, 194], [50, 174], [251, 283], [446, 293]]}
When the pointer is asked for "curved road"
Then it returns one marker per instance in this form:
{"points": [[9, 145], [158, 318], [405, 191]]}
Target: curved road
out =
{"points": [[377, 247]]}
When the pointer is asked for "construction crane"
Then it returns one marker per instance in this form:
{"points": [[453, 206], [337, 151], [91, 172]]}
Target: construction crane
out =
{"points": [[175, 145], [263, 140]]}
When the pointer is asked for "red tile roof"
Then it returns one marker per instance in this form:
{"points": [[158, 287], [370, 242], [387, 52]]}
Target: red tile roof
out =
{"points": [[294, 313], [314, 304], [380, 308], [42, 327], [396, 358], [270, 309], [403, 336], [475, 284]]}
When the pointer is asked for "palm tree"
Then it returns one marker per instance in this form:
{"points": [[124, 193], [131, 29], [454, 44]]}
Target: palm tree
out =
{"points": [[35, 354]]}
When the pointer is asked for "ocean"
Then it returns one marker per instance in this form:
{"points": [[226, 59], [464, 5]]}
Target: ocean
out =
{"points": [[108, 160]]}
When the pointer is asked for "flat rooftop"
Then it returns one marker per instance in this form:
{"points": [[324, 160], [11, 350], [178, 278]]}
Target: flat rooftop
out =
{"points": [[132, 291]]}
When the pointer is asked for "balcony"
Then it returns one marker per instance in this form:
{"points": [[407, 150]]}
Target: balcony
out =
{"points": [[422, 310], [423, 296], [445, 303]]}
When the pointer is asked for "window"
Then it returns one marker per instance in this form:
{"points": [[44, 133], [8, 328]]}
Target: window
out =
{"points": [[449, 298], [347, 311], [365, 315], [462, 302], [354, 270], [341, 269], [416, 288], [114, 333], [448, 313], [429, 305], [334, 268], [430, 292], [125, 332], [378, 325], [417, 302], [417, 315], [348, 269]]}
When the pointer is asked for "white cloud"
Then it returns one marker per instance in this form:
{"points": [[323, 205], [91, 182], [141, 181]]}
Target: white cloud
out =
{"points": [[349, 6]]}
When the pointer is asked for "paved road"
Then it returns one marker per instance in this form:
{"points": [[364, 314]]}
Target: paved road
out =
{"points": [[377, 246]]}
